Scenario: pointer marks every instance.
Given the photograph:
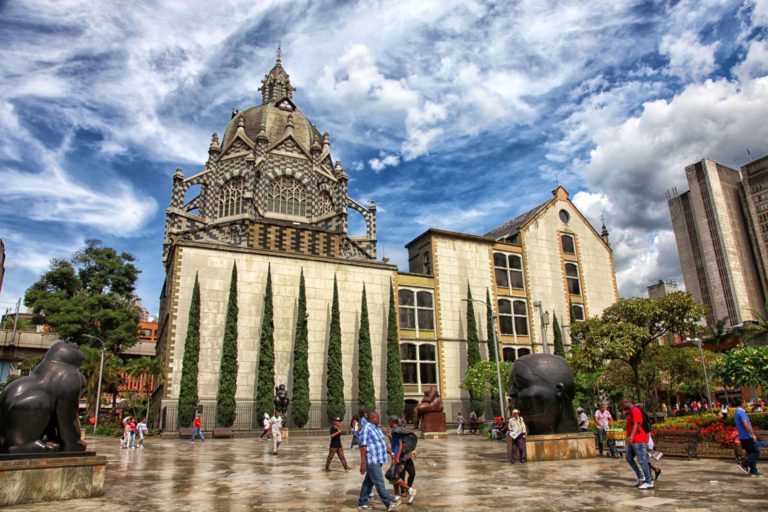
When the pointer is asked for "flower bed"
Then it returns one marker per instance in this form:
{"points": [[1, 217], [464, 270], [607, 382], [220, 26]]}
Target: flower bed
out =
{"points": [[716, 437]]}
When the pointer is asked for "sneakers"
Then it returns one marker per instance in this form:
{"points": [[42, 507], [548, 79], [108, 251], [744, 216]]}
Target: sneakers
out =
{"points": [[412, 494], [658, 455], [744, 468], [644, 486], [756, 473], [639, 482], [396, 498], [656, 474], [364, 507], [393, 506]]}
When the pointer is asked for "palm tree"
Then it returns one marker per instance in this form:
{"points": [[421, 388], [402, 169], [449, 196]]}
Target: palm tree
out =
{"points": [[719, 335], [149, 367], [759, 328], [110, 380]]}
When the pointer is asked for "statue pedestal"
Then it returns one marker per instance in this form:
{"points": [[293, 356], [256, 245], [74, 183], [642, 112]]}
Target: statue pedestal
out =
{"points": [[580, 445], [50, 478], [433, 425]]}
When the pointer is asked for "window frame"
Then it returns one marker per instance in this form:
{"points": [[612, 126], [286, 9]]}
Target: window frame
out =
{"points": [[416, 309], [286, 195], [583, 312], [418, 362], [572, 238], [512, 315], [509, 270], [229, 200], [576, 278]]}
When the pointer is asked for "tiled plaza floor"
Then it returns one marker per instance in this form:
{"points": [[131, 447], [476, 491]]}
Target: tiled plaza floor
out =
{"points": [[459, 473]]}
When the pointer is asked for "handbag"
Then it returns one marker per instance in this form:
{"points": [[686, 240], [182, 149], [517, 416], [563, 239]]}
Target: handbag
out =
{"points": [[393, 473]]}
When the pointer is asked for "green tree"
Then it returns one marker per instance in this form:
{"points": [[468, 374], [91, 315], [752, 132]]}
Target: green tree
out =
{"points": [[366, 391], [265, 384], [744, 366], [189, 364], [558, 334], [480, 380], [89, 294], [719, 335], [300, 404], [473, 350], [150, 368], [395, 395], [629, 327], [111, 375], [335, 377], [759, 329], [490, 326], [225, 398]]}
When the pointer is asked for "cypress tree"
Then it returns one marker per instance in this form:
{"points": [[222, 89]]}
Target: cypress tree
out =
{"points": [[334, 377], [558, 334], [225, 398], [366, 391], [395, 395], [265, 384], [490, 326], [300, 407], [188, 392], [473, 349]]}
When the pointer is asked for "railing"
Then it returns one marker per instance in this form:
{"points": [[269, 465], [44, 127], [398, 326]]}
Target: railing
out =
{"points": [[44, 340]]}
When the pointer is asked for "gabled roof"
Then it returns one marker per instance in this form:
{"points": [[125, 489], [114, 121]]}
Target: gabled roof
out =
{"points": [[513, 226]]}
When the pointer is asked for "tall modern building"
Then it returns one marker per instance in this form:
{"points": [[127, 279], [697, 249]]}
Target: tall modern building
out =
{"points": [[714, 242], [662, 288], [754, 177], [271, 200]]}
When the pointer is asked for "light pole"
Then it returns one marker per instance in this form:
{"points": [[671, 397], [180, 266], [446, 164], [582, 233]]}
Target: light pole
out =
{"points": [[101, 374], [704, 365], [544, 317], [495, 354]]}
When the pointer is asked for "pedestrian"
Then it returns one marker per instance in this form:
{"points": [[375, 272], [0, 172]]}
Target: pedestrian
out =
{"points": [[131, 433], [748, 440], [653, 458], [724, 411], [517, 432], [265, 426], [126, 432], [460, 421], [141, 429], [354, 427], [402, 461], [603, 421], [197, 429], [637, 445], [276, 423], [335, 447], [401, 423], [582, 419], [373, 453]]}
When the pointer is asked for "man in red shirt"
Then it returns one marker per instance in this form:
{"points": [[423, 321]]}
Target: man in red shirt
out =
{"points": [[197, 429], [637, 445]]}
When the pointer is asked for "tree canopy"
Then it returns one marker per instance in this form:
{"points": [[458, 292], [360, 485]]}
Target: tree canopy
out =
{"points": [[90, 294], [744, 366]]}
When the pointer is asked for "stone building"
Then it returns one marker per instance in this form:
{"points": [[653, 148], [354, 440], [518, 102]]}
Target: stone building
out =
{"points": [[716, 243], [271, 198]]}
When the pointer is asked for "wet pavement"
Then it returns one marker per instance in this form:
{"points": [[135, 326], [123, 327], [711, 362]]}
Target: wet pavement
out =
{"points": [[459, 473]]}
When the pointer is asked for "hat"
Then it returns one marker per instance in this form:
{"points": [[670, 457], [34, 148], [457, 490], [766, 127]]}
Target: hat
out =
{"points": [[579, 410], [515, 411], [394, 418], [336, 419]]}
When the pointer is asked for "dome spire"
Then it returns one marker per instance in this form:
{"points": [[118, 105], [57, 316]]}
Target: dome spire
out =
{"points": [[276, 84]]}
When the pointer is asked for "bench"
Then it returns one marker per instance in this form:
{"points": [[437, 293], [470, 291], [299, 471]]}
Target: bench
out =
{"points": [[473, 426], [677, 442]]}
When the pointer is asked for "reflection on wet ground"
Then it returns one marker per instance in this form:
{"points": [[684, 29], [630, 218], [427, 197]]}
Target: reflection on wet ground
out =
{"points": [[460, 473]]}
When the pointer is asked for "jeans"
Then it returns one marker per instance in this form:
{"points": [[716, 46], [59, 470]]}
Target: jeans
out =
{"points": [[753, 452], [639, 450], [600, 439], [374, 477], [131, 439], [197, 432]]}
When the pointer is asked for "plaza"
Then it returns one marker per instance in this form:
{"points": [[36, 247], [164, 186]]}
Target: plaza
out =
{"points": [[460, 473]]}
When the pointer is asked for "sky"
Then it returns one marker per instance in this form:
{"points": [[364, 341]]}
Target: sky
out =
{"points": [[456, 115]]}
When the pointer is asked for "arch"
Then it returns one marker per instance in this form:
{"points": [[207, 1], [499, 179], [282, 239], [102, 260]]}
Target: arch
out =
{"points": [[324, 204], [230, 199], [288, 196]]}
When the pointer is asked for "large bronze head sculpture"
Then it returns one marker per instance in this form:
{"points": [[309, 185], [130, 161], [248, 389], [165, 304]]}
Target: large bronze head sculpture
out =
{"points": [[542, 387]]}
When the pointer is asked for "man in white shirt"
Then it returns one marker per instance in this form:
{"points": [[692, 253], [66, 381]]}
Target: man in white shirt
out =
{"points": [[276, 422]]}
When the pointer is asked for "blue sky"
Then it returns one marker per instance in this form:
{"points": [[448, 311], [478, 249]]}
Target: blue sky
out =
{"points": [[449, 114]]}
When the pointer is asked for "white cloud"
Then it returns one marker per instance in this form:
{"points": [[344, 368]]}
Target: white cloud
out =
{"points": [[688, 58], [384, 161], [755, 64], [760, 13]]}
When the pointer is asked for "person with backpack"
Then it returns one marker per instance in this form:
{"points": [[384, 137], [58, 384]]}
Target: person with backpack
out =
{"points": [[637, 444], [403, 443]]}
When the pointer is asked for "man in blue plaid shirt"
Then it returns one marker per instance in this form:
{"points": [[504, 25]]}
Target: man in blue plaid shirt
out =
{"points": [[373, 453]]}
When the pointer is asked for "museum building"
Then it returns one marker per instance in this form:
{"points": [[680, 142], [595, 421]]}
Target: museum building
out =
{"points": [[270, 198]]}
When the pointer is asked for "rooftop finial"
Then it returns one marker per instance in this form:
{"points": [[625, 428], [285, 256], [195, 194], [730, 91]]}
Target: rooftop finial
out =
{"points": [[279, 52]]}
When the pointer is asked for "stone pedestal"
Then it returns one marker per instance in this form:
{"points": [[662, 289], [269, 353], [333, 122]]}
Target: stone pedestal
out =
{"points": [[558, 446], [433, 425], [51, 478]]}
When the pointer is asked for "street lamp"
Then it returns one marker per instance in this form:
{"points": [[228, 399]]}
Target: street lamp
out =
{"points": [[101, 374], [698, 342], [544, 317], [495, 353]]}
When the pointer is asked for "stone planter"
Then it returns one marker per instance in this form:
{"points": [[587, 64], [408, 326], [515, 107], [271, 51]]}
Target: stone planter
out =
{"points": [[710, 449]]}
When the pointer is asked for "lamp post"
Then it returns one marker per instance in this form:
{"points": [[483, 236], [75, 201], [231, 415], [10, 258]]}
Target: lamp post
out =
{"points": [[101, 374], [544, 317], [495, 354], [704, 365]]}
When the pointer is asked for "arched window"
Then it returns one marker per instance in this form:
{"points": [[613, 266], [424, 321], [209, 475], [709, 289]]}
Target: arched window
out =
{"points": [[508, 354], [568, 246], [577, 312], [572, 276], [523, 352], [513, 317], [324, 204], [231, 198], [286, 195]]}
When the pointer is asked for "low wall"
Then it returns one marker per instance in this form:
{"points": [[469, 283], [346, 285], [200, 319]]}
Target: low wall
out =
{"points": [[558, 446]]}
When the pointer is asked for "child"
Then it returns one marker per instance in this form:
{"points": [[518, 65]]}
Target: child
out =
{"points": [[142, 429], [265, 426], [460, 421], [131, 432], [355, 428]]}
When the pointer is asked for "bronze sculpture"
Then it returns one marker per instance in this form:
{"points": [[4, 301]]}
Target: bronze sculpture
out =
{"points": [[542, 387], [430, 403], [38, 413], [281, 399]]}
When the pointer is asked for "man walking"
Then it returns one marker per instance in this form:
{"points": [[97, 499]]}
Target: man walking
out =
{"points": [[517, 432], [335, 448], [748, 440], [373, 453], [197, 426], [603, 421], [637, 445], [276, 422]]}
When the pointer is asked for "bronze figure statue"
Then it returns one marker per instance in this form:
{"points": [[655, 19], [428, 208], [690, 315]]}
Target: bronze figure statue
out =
{"points": [[38, 413], [542, 387], [281, 399], [430, 403]]}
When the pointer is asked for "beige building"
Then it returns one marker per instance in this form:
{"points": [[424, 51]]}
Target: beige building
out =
{"points": [[714, 243], [662, 289], [270, 198], [755, 200]]}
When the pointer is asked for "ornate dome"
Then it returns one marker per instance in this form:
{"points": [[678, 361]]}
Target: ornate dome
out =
{"points": [[274, 117]]}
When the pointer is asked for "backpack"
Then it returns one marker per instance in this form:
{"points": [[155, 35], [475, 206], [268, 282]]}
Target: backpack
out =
{"points": [[646, 422], [409, 438]]}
